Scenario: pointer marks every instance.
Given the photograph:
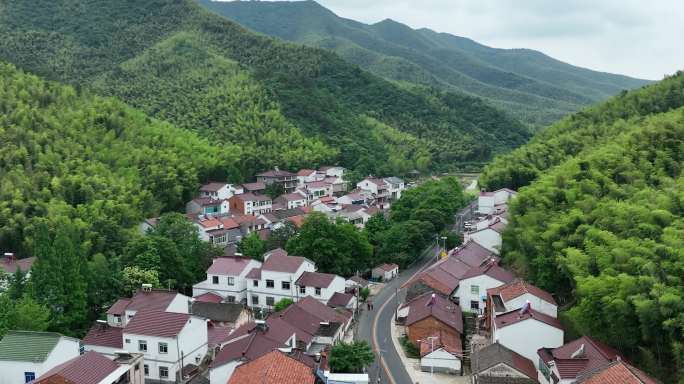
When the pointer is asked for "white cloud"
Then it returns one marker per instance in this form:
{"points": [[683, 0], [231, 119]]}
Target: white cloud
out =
{"points": [[632, 37]]}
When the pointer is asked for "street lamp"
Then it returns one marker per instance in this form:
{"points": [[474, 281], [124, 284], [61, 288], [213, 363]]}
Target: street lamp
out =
{"points": [[444, 242]]}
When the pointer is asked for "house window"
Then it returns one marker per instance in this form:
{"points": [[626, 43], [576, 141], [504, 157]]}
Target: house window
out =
{"points": [[285, 285], [270, 301], [163, 372], [474, 304], [29, 376], [146, 369], [255, 300], [230, 299], [318, 291], [214, 279], [255, 283], [128, 341], [475, 289], [142, 345], [163, 348], [270, 284], [231, 280], [302, 290], [117, 319]]}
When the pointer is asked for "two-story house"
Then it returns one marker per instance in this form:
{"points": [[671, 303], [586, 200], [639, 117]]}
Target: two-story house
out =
{"points": [[227, 277], [488, 237], [378, 189], [292, 200], [320, 286], [276, 278], [220, 231], [515, 295], [207, 206], [527, 330], [307, 176], [395, 186], [315, 190], [487, 201], [250, 204], [471, 293], [332, 171], [169, 341], [565, 364], [257, 188], [219, 190], [287, 180], [27, 355]]}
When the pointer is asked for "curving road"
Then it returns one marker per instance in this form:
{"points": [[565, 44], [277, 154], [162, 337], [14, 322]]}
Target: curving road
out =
{"points": [[374, 326]]}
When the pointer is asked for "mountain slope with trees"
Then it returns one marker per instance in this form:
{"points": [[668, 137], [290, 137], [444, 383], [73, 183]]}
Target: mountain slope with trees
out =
{"points": [[283, 104], [528, 84], [601, 223]]}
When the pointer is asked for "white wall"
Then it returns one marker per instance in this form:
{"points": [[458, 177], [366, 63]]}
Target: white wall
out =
{"points": [[12, 372], [107, 351], [179, 304], [527, 336], [440, 359], [221, 374], [502, 370], [487, 238], [238, 290], [337, 285], [367, 186], [485, 204], [277, 292], [463, 291], [537, 304]]}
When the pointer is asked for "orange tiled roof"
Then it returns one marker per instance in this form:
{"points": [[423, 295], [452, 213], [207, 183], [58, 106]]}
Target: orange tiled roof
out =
{"points": [[273, 367]]}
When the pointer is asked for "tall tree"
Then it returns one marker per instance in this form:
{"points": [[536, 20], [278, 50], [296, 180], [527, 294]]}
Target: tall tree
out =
{"points": [[252, 246], [351, 357]]}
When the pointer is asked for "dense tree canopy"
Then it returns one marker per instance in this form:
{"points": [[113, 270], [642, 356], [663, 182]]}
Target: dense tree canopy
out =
{"points": [[351, 357], [604, 229]]}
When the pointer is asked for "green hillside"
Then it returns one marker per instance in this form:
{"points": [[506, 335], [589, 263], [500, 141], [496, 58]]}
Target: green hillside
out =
{"points": [[94, 160], [282, 104], [602, 222], [528, 84]]}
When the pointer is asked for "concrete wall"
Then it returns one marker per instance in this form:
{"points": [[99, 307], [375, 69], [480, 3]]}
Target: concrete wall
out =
{"points": [[527, 336], [487, 238], [221, 374], [465, 295], [440, 361], [538, 304], [420, 330]]}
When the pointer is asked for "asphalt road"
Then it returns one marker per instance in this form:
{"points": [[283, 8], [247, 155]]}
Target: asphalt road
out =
{"points": [[374, 326]]}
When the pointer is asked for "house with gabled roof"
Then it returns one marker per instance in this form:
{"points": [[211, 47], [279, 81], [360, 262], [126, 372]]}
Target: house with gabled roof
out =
{"points": [[168, 341], [287, 180], [274, 367], [95, 368], [471, 293], [395, 186], [378, 189], [565, 364], [618, 372], [487, 201], [320, 286], [257, 188], [207, 206], [250, 204], [124, 309], [219, 190], [488, 237], [343, 300], [326, 325], [441, 352], [292, 200], [515, 294], [385, 271], [496, 364], [28, 355], [227, 277], [527, 330], [307, 175], [430, 313]]}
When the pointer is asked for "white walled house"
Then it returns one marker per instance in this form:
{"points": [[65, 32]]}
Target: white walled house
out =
{"points": [[516, 294], [565, 364], [395, 186], [307, 176], [497, 364], [207, 206], [292, 200], [315, 190], [385, 272], [218, 190], [489, 237], [227, 277], [276, 278], [27, 355], [218, 230], [320, 286], [334, 171], [527, 332], [471, 293], [441, 352], [95, 368], [124, 309], [162, 338], [377, 188], [487, 201]]}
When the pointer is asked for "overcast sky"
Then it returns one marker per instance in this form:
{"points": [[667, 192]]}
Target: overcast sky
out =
{"points": [[640, 38]]}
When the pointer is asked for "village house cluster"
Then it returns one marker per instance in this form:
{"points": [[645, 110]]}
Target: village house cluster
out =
{"points": [[515, 336], [225, 213]]}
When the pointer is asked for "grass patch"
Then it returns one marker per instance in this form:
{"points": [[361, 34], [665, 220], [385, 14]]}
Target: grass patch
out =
{"points": [[409, 348]]}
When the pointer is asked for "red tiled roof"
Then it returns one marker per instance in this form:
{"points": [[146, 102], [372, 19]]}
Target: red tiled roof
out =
{"points": [[472, 254], [209, 222], [298, 220], [495, 354], [317, 184], [278, 330], [315, 279], [442, 310], [89, 368], [157, 323], [388, 267], [213, 186], [513, 317], [323, 312], [595, 354], [156, 299], [204, 201], [256, 186], [436, 279], [518, 288], [305, 172], [275, 173], [279, 260], [359, 280], [250, 347], [217, 335], [209, 297], [255, 274], [10, 264], [492, 270], [230, 266], [274, 367], [617, 373], [104, 336], [292, 197], [449, 341], [229, 223], [251, 197], [378, 182], [339, 299]]}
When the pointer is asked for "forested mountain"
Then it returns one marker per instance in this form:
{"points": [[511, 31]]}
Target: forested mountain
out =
{"points": [[528, 84], [601, 222], [280, 103]]}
